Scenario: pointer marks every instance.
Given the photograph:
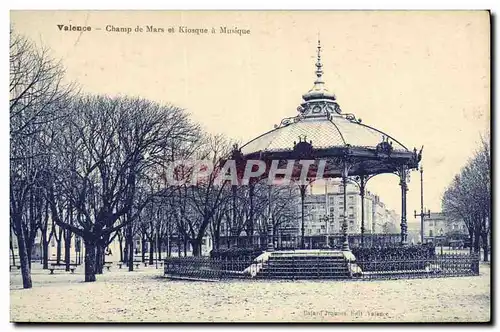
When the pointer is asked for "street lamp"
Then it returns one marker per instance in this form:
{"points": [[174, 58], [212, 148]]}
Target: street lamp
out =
{"points": [[327, 219], [441, 240], [422, 214]]}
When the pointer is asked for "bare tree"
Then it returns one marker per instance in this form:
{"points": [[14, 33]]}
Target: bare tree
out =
{"points": [[197, 203], [38, 96], [468, 198], [105, 147]]}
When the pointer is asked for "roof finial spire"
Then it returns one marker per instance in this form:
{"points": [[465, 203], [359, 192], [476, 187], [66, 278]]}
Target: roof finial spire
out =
{"points": [[318, 91], [319, 66]]}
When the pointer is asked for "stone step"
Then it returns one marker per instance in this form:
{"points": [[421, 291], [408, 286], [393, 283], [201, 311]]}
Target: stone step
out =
{"points": [[314, 252], [306, 257], [309, 276], [304, 268], [307, 262]]}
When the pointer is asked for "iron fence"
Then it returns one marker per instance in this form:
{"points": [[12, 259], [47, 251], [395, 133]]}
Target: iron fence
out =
{"points": [[209, 268], [446, 265]]}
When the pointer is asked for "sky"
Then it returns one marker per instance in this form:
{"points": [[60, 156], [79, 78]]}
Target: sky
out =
{"points": [[421, 77]]}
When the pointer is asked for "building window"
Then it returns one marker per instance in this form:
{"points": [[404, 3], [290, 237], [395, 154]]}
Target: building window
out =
{"points": [[430, 232]]}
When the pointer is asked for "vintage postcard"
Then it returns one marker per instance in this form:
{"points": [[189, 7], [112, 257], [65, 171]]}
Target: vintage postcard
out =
{"points": [[250, 166]]}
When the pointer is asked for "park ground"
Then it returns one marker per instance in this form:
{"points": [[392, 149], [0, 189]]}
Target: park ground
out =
{"points": [[146, 296]]}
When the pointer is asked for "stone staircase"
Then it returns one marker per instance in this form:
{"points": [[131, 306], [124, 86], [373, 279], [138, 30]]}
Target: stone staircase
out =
{"points": [[305, 264]]}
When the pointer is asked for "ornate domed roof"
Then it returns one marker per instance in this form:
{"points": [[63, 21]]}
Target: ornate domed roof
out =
{"points": [[323, 133], [321, 122]]}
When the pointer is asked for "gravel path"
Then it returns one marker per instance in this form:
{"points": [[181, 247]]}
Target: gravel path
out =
{"points": [[145, 296]]}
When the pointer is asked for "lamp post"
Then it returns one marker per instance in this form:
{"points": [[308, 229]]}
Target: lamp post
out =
{"points": [[327, 218], [441, 240], [422, 214]]}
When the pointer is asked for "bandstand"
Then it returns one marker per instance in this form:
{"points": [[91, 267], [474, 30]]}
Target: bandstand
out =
{"points": [[335, 145], [340, 146]]}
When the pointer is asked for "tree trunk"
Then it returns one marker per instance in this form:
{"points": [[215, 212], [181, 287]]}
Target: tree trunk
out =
{"points": [[131, 255], [45, 250], [90, 260], [23, 256], [476, 241], [129, 243], [185, 247], [143, 247], [125, 252], [120, 243], [12, 251], [67, 244], [99, 260], [216, 240], [151, 251], [59, 246], [196, 244], [485, 246], [471, 238], [159, 247], [30, 242]]}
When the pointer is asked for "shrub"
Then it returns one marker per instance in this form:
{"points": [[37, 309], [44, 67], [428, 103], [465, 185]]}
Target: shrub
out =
{"points": [[236, 253], [235, 259], [394, 258], [395, 253]]}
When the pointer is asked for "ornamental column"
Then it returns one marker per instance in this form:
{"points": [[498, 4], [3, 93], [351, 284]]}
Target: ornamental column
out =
{"points": [[233, 227], [270, 240], [345, 238], [362, 194], [404, 188], [250, 224], [303, 188]]}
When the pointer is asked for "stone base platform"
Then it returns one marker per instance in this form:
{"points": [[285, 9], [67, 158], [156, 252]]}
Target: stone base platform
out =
{"points": [[304, 264]]}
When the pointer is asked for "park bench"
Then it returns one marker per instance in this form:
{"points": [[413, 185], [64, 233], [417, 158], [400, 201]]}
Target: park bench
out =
{"points": [[55, 266], [160, 262], [108, 265], [120, 264]]}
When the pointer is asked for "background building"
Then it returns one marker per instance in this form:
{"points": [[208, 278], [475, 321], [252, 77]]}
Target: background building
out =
{"points": [[324, 212], [438, 227]]}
